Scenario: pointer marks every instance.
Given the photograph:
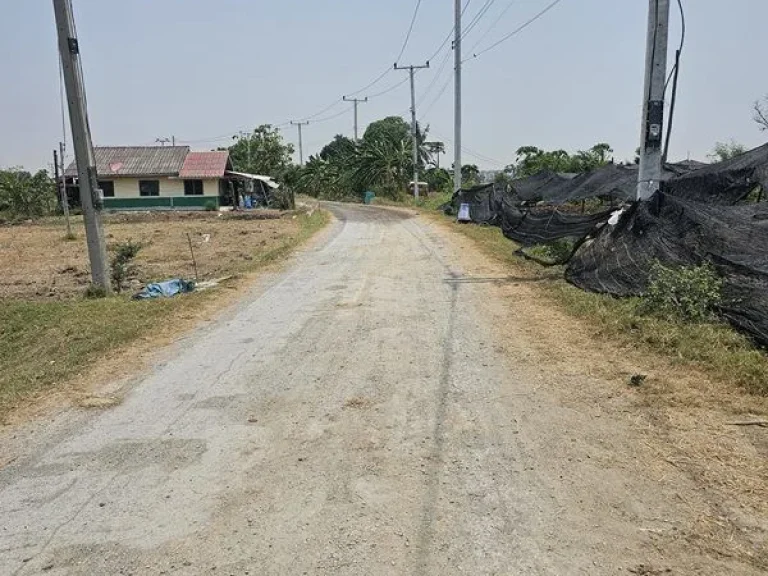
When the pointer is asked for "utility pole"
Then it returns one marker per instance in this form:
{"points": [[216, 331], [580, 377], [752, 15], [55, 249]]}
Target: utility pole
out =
{"points": [[90, 195], [414, 127], [61, 185], [651, 136], [301, 148], [457, 98], [356, 102], [162, 141]]}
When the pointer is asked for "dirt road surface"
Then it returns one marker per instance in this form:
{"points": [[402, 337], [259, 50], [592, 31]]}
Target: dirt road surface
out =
{"points": [[358, 413]]}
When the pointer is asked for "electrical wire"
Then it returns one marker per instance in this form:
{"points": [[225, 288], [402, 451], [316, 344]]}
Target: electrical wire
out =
{"points": [[327, 118], [388, 90], [449, 36], [375, 81], [480, 13], [492, 26], [682, 44], [472, 153], [436, 99], [676, 75], [435, 78], [515, 31], [410, 31]]}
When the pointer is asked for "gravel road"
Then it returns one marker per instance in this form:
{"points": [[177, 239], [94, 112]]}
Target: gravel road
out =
{"points": [[352, 415]]}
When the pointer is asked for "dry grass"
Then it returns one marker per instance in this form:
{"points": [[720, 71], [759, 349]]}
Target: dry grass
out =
{"points": [[679, 417], [54, 335], [715, 348], [36, 262]]}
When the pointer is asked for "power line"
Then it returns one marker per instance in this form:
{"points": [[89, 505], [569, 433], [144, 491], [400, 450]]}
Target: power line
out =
{"points": [[477, 18], [388, 90], [450, 34], [388, 69], [410, 31], [516, 31], [492, 26], [437, 98], [337, 102], [471, 152], [437, 75]]}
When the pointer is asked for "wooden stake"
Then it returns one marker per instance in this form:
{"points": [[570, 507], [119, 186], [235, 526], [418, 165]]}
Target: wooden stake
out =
{"points": [[192, 252]]}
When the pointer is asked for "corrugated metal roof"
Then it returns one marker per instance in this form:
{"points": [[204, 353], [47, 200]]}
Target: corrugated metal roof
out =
{"points": [[245, 176], [137, 161], [205, 165]]}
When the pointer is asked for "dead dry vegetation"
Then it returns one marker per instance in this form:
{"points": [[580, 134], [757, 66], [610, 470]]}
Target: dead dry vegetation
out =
{"points": [[37, 262], [50, 333], [696, 417]]}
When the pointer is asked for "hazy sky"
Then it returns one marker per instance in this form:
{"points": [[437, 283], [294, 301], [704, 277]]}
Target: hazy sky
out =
{"points": [[203, 69]]}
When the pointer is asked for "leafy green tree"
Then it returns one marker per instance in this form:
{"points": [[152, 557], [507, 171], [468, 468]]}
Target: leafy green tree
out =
{"points": [[470, 175], [532, 160], [726, 150], [438, 179], [27, 195], [340, 149], [384, 166], [503, 177], [263, 151], [323, 179]]}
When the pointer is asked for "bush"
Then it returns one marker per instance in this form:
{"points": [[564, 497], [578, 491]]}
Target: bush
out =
{"points": [[93, 292], [688, 293], [24, 195], [122, 263], [282, 199], [210, 206]]}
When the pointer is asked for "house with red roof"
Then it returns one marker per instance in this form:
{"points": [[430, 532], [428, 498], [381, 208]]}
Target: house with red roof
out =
{"points": [[160, 177]]}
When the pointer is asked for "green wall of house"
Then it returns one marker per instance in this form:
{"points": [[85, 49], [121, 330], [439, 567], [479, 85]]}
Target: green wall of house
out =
{"points": [[161, 203]]}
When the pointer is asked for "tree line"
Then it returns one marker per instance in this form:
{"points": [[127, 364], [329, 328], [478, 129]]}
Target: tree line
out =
{"points": [[382, 162]]}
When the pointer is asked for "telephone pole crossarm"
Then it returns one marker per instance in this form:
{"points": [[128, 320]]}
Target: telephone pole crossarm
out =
{"points": [[356, 101]]}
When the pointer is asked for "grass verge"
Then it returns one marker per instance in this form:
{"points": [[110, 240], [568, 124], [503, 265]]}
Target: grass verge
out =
{"points": [[43, 344], [714, 347]]}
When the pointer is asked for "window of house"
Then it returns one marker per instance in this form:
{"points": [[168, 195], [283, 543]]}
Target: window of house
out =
{"points": [[193, 187], [107, 188], [149, 187]]}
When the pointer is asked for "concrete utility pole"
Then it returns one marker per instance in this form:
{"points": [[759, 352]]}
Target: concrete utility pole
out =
{"points": [[414, 126], [61, 185], [651, 136], [90, 195], [301, 144], [356, 101], [457, 98]]}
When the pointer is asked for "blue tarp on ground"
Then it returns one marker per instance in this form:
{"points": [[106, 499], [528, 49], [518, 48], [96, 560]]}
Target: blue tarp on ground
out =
{"points": [[165, 289]]}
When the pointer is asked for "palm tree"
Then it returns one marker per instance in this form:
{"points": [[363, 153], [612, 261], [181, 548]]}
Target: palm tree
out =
{"points": [[434, 149]]}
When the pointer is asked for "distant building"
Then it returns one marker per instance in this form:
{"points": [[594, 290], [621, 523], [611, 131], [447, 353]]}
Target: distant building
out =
{"points": [[159, 177]]}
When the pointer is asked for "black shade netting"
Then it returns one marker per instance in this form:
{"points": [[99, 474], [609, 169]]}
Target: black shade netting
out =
{"points": [[675, 231], [726, 183]]}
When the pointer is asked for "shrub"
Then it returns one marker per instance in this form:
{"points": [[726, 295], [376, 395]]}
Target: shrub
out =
{"points": [[282, 199], [210, 206], [688, 293], [94, 292], [122, 263]]}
